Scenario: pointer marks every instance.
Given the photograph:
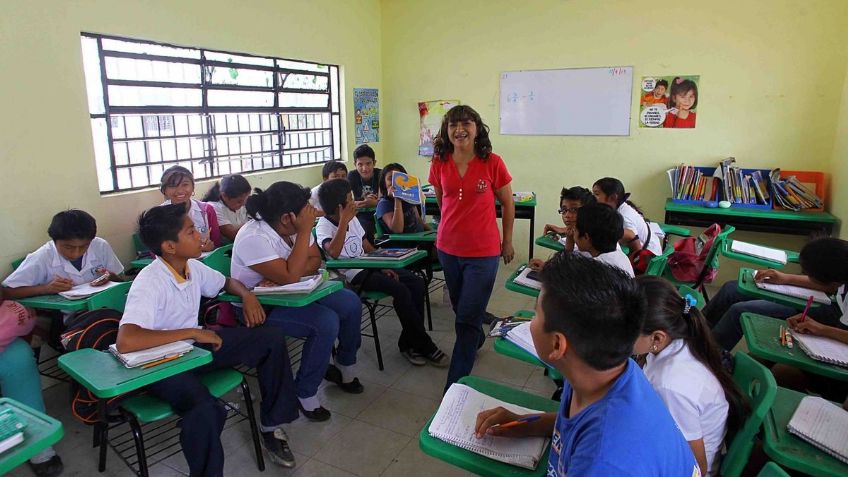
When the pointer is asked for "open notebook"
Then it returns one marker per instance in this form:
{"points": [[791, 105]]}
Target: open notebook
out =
{"points": [[529, 278], [520, 335], [305, 285], [85, 290], [792, 290], [456, 418], [822, 424], [150, 355], [767, 253], [823, 349]]}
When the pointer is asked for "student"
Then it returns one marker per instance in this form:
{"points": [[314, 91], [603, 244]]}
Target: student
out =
{"points": [[682, 100], [331, 170], [610, 421], [365, 183], [397, 216], [341, 235], [597, 231], [824, 262], [74, 255], [177, 185], [162, 307], [794, 378], [657, 96], [277, 247], [227, 197], [570, 199], [681, 351], [638, 233], [19, 378]]}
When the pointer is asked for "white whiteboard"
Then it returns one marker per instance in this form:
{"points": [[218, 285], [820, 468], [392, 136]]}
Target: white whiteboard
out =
{"points": [[567, 102]]}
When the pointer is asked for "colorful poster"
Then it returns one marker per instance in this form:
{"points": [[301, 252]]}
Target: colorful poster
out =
{"points": [[668, 102], [367, 115], [431, 114]]}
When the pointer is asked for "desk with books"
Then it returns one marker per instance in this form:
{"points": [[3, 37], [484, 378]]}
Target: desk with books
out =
{"points": [[40, 432], [756, 220], [292, 300], [748, 287], [512, 285]]}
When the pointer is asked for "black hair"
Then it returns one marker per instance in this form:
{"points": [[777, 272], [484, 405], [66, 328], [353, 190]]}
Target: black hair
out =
{"points": [[387, 171], [682, 86], [661, 82], [597, 307], [666, 313], [604, 226], [482, 144], [277, 200], [332, 166], [825, 260], [72, 224], [578, 193], [159, 224], [613, 186], [363, 151], [232, 186], [172, 177], [332, 194]]}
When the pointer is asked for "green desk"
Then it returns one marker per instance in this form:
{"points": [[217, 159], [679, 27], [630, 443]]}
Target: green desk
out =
{"points": [[762, 336], [367, 263], [791, 256], [748, 287], [426, 237], [790, 451], [54, 302], [756, 220], [292, 300], [547, 242], [512, 286], [41, 432], [140, 263], [476, 463]]}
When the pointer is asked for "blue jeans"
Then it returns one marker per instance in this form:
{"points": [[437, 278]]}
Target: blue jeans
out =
{"points": [[19, 377], [337, 315], [470, 281], [724, 310]]}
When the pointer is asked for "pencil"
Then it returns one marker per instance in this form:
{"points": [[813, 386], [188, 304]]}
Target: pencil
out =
{"points": [[806, 309], [782, 336], [161, 361], [518, 422]]}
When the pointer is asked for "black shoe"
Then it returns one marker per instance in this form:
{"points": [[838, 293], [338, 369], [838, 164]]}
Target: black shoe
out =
{"points": [[319, 414], [334, 375], [276, 443], [49, 468]]}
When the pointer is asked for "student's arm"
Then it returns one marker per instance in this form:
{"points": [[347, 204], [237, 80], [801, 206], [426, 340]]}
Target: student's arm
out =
{"points": [[543, 427], [229, 231], [394, 219], [334, 246], [58, 284], [700, 453], [313, 260], [813, 327], [781, 278], [368, 246], [504, 195], [132, 337], [254, 314]]}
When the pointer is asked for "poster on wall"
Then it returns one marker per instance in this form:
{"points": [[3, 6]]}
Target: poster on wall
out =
{"points": [[430, 114], [366, 115], [668, 102]]}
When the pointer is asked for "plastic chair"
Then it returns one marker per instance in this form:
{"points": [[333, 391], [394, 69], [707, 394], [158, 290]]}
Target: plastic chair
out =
{"points": [[114, 298], [17, 263], [772, 470], [758, 385], [686, 290], [658, 264], [711, 263], [219, 260], [140, 248], [673, 230]]}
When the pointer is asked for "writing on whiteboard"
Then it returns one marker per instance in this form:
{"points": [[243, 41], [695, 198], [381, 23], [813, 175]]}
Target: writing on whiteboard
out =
{"points": [[617, 71], [516, 98]]}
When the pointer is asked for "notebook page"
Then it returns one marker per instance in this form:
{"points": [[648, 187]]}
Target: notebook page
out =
{"points": [[797, 292], [520, 335], [759, 251], [821, 347], [144, 356], [85, 290], [523, 279], [822, 422], [305, 285]]}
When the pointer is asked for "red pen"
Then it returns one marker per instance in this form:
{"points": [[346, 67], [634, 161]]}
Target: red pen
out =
{"points": [[806, 309]]}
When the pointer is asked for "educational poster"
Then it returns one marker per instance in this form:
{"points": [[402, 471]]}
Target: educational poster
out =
{"points": [[431, 114], [367, 115], [669, 102]]}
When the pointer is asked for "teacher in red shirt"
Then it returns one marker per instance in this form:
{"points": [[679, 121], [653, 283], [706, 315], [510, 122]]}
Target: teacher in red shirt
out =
{"points": [[467, 178]]}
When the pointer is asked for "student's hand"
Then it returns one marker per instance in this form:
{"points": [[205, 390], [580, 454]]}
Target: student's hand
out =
{"points": [[347, 212], [507, 252], [254, 314], [771, 276], [267, 283], [536, 264], [208, 337], [58, 284], [207, 246], [809, 326], [391, 274], [103, 277], [499, 415], [370, 201], [551, 228], [305, 220], [359, 204]]}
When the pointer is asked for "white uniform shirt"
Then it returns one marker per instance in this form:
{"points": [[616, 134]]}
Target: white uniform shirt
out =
{"points": [[161, 300], [313, 200], [41, 266], [693, 395], [842, 300], [326, 230], [637, 224], [197, 216], [617, 259], [257, 242], [228, 217]]}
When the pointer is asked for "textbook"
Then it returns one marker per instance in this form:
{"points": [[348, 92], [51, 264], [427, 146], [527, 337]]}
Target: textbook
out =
{"points": [[305, 285], [767, 253], [151, 355], [85, 290], [456, 419], [500, 328], [792, 290], [11, 430], [822, 424], [406, 187], [823, 349], [520, 335], [528, 278], [390, 253]]}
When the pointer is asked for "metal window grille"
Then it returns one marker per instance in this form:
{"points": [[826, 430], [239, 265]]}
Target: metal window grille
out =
{"points": [[154, 105]]}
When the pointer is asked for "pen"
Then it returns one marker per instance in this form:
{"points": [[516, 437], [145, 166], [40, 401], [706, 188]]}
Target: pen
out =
{"points": [[806, 309], [782, 336], [517, 422], [161, 361]]}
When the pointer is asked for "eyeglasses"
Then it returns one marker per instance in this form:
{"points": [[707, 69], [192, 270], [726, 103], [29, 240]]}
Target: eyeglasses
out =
{"points": [[572, 210]]}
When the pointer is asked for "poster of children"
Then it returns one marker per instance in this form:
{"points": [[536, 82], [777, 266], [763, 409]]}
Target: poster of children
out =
{"points": [[366, 115], [431, 114], [668, 101]]}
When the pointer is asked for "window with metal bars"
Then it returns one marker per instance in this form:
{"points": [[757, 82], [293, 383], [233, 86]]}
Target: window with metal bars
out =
{"points": [[153, 105]]}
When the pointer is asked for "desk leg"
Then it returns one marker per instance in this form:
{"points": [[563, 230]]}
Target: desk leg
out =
{"points": [[103, 434], [427, 280], [532, 231]]}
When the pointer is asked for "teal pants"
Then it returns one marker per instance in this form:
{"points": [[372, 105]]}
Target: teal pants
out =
{"points": [[19, 377]]}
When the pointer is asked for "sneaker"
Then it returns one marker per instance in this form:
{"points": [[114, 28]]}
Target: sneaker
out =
{"points": [[49, 468], [413, 357], [319, 414], [438, 358], [334, 375], [276, 443]]}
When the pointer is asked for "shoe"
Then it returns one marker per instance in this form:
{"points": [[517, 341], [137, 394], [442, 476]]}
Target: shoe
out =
{"points": [[414, 358], [334, 375], [276, 443], [438, 358], [319, 414], [50, 468]]}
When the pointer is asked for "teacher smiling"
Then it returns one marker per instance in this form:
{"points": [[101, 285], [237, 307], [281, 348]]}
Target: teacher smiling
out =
{"points": [[467, 177]]}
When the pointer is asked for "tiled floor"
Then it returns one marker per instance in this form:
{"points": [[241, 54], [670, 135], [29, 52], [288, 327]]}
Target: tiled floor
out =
{"points": [[371, 434]]}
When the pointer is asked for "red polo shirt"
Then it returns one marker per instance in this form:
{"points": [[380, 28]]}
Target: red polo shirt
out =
{"points": [[468, 226]]}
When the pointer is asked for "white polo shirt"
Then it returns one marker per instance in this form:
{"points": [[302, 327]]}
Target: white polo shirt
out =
{"points": [[197, 216], [617, 259], [637, 224], [313, 199], [257, 242], [41, 266], [693, 395], [159, 299], [352, 248], [226, 216]]}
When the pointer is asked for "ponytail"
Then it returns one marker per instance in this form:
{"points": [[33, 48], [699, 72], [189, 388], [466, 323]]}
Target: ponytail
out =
{"points": [[612, 186], [279, 199], [231, 186], [213, 194]]}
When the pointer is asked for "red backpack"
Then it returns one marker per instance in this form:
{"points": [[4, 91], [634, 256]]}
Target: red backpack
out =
{"points": [[689, 258]]}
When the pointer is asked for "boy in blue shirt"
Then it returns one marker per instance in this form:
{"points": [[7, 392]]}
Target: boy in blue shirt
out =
{"points": [[611, 421]]}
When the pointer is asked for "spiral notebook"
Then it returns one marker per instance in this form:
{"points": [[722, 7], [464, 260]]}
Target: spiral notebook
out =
{"points": [[822, 424], [794, 291], [456, 418], [823, 349], [759, 251]]}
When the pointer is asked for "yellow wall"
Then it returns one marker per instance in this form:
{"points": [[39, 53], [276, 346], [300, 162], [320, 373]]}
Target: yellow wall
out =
{"points": [[839, 165], [767, 95], [46, 148]]}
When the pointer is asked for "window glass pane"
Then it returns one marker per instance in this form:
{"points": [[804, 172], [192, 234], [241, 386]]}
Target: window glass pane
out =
{"points": [[334, 89], [298, 65], [101, 154], [217, 97], [303, 100], [145, 96], [231, 58], [337, 140], [149, 48], [239, 76], [302, 81], [146, 70], [93, 85]]}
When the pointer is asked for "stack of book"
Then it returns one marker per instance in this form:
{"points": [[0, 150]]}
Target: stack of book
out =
{"points": [[691, 183], [743, 188], [791, 194]]}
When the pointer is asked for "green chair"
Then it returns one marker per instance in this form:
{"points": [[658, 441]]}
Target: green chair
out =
{"points": [[673, 230], [17, 263], [219, 260], [687, 290], [114, 298], [772, 470], [658, 264], [711, 263], [758, 385]]}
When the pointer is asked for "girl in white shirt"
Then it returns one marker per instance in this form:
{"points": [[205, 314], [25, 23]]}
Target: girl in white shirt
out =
{"points": [[227, 197], [177, 185], [638, 233], [684, 367]]}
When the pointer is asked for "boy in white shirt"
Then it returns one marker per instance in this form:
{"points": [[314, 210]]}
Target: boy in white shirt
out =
{"points": [[162, 307], [596, 233], [331, 170]]}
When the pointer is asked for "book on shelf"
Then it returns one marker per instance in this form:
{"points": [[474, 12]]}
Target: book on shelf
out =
{"points": [[791, 194]]}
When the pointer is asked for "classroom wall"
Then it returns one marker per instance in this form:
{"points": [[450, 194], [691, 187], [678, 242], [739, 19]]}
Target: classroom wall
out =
{"points": [[839, 164], [46, 148], [766, 90]]}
